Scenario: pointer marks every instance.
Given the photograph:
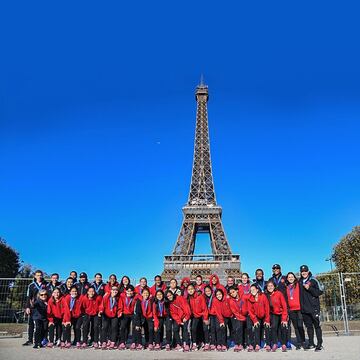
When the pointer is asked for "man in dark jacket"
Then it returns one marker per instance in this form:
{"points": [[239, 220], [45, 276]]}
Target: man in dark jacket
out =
{"points": [[310, 291], [38, 284], [83, 284], [53, 284], [279, 279], [259, 279]]}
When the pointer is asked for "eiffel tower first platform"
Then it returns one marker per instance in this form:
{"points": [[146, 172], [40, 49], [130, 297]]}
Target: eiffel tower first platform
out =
{"points": [[201, 214]]}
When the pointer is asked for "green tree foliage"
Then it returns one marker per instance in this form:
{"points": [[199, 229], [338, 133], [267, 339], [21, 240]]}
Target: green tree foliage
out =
{"points": [[10, 261], [346, 256], [346, 253]]}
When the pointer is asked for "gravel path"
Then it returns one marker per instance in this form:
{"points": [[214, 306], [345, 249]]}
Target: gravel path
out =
{"points": [[344, 347]]}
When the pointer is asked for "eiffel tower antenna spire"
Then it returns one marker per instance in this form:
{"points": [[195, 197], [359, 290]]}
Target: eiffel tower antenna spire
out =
{"points": [[201, 213], [202, 80]]}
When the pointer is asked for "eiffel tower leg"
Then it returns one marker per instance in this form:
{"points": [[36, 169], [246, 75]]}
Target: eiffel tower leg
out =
{"points": [[219, 243], [185, 243]]}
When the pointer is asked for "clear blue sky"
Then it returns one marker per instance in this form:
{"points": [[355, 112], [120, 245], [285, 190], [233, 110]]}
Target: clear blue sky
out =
{"points": [[97, 116]]}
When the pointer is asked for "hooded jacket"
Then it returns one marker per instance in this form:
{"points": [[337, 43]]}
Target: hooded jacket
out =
{"points": [[259, 308], [278, 304], [54, 309], [179, 309], [91, 306], [127, 304], [108, 287], [71, 308], [222, 309], [182, 287], [217, 284], [239, 307], [155, 288], [159, 310], [198, 306], [109, 308]]}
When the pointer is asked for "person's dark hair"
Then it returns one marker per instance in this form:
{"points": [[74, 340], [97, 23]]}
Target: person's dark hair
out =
{"points": [[52, 297], [157, 276], [199, 276], [247, 275], [231, 277], [146, 289], [207, 287], [97, 274], [255, 286], [113, 276], [191, 285], [125, 277], [38, 272], [73, 271], [155, 298], [175, 281], [143, 278], [54, 274], [262, 271], [69, 278], [219, 291], [170, 292], [130, 287], [271, 281], [295, 281], [74, 287], [234, 287]]}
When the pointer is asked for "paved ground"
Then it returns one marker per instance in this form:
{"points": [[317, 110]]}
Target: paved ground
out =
{"points": [[336, 348]]}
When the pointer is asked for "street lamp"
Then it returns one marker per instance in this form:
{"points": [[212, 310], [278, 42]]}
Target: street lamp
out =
{"points": [[330, 258]]}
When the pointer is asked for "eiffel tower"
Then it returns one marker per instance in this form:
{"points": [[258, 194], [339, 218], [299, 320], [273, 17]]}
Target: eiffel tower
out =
{"points": [[201, 213]]}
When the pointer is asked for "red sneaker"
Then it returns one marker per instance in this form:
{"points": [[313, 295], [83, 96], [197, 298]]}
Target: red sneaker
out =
{"points": [[283, 348], [274, 348], [104, 346], [122, 346], [212, 347], [67, 345], [50, 345], [139, 347], [157, 347], [167, 347], [186, 348], [84, 345], [96, 345], [250, 348], [111, 346], [178, 348], [257, 348], [78, 345], [133, 346], [267, 348], [206, 347], [223, 348], [194, 347], [151, 347], [218, 348]]}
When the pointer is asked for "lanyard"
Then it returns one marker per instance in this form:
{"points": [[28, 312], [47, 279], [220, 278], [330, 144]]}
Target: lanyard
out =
{"points": [[161, 308], [127, 301], [277, 281], [209, 301], [246, 288], [38, 286], [146, 304], [262, 286], [112, 302], [291, 289], [97, 288], [72, 303]]}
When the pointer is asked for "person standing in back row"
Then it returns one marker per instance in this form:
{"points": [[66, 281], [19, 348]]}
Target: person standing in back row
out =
{"points": [[310, 292]]}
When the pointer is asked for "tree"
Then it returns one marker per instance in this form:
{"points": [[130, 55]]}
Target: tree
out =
{"points": [[346, 256], [10, 260], [346, 253]]}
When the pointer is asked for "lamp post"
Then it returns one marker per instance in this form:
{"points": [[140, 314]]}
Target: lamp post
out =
{"points": [[333, 286]]}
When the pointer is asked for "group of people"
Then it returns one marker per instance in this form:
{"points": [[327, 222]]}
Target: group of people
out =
{"points": [[194, 315]]}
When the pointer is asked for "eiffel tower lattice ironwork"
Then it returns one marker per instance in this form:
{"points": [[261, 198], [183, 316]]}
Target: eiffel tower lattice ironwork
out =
{"points": [[201, 213]]}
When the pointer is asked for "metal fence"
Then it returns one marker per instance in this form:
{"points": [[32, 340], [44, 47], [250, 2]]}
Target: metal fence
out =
{"points": [[340, 303]]}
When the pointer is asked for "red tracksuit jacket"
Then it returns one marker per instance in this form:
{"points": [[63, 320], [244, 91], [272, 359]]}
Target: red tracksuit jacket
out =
{"points": [[179, 309], [69, 313], [222, 309], [159, 311], [210, 304], [154, 289], [244, 289], [198, 306], [90, 306], [127, 305], [54, 310], [259, 309], [108, 287], [105, 306], [217, 285], [278, 305], [239, 308], [293, 297], [146, 308]]}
